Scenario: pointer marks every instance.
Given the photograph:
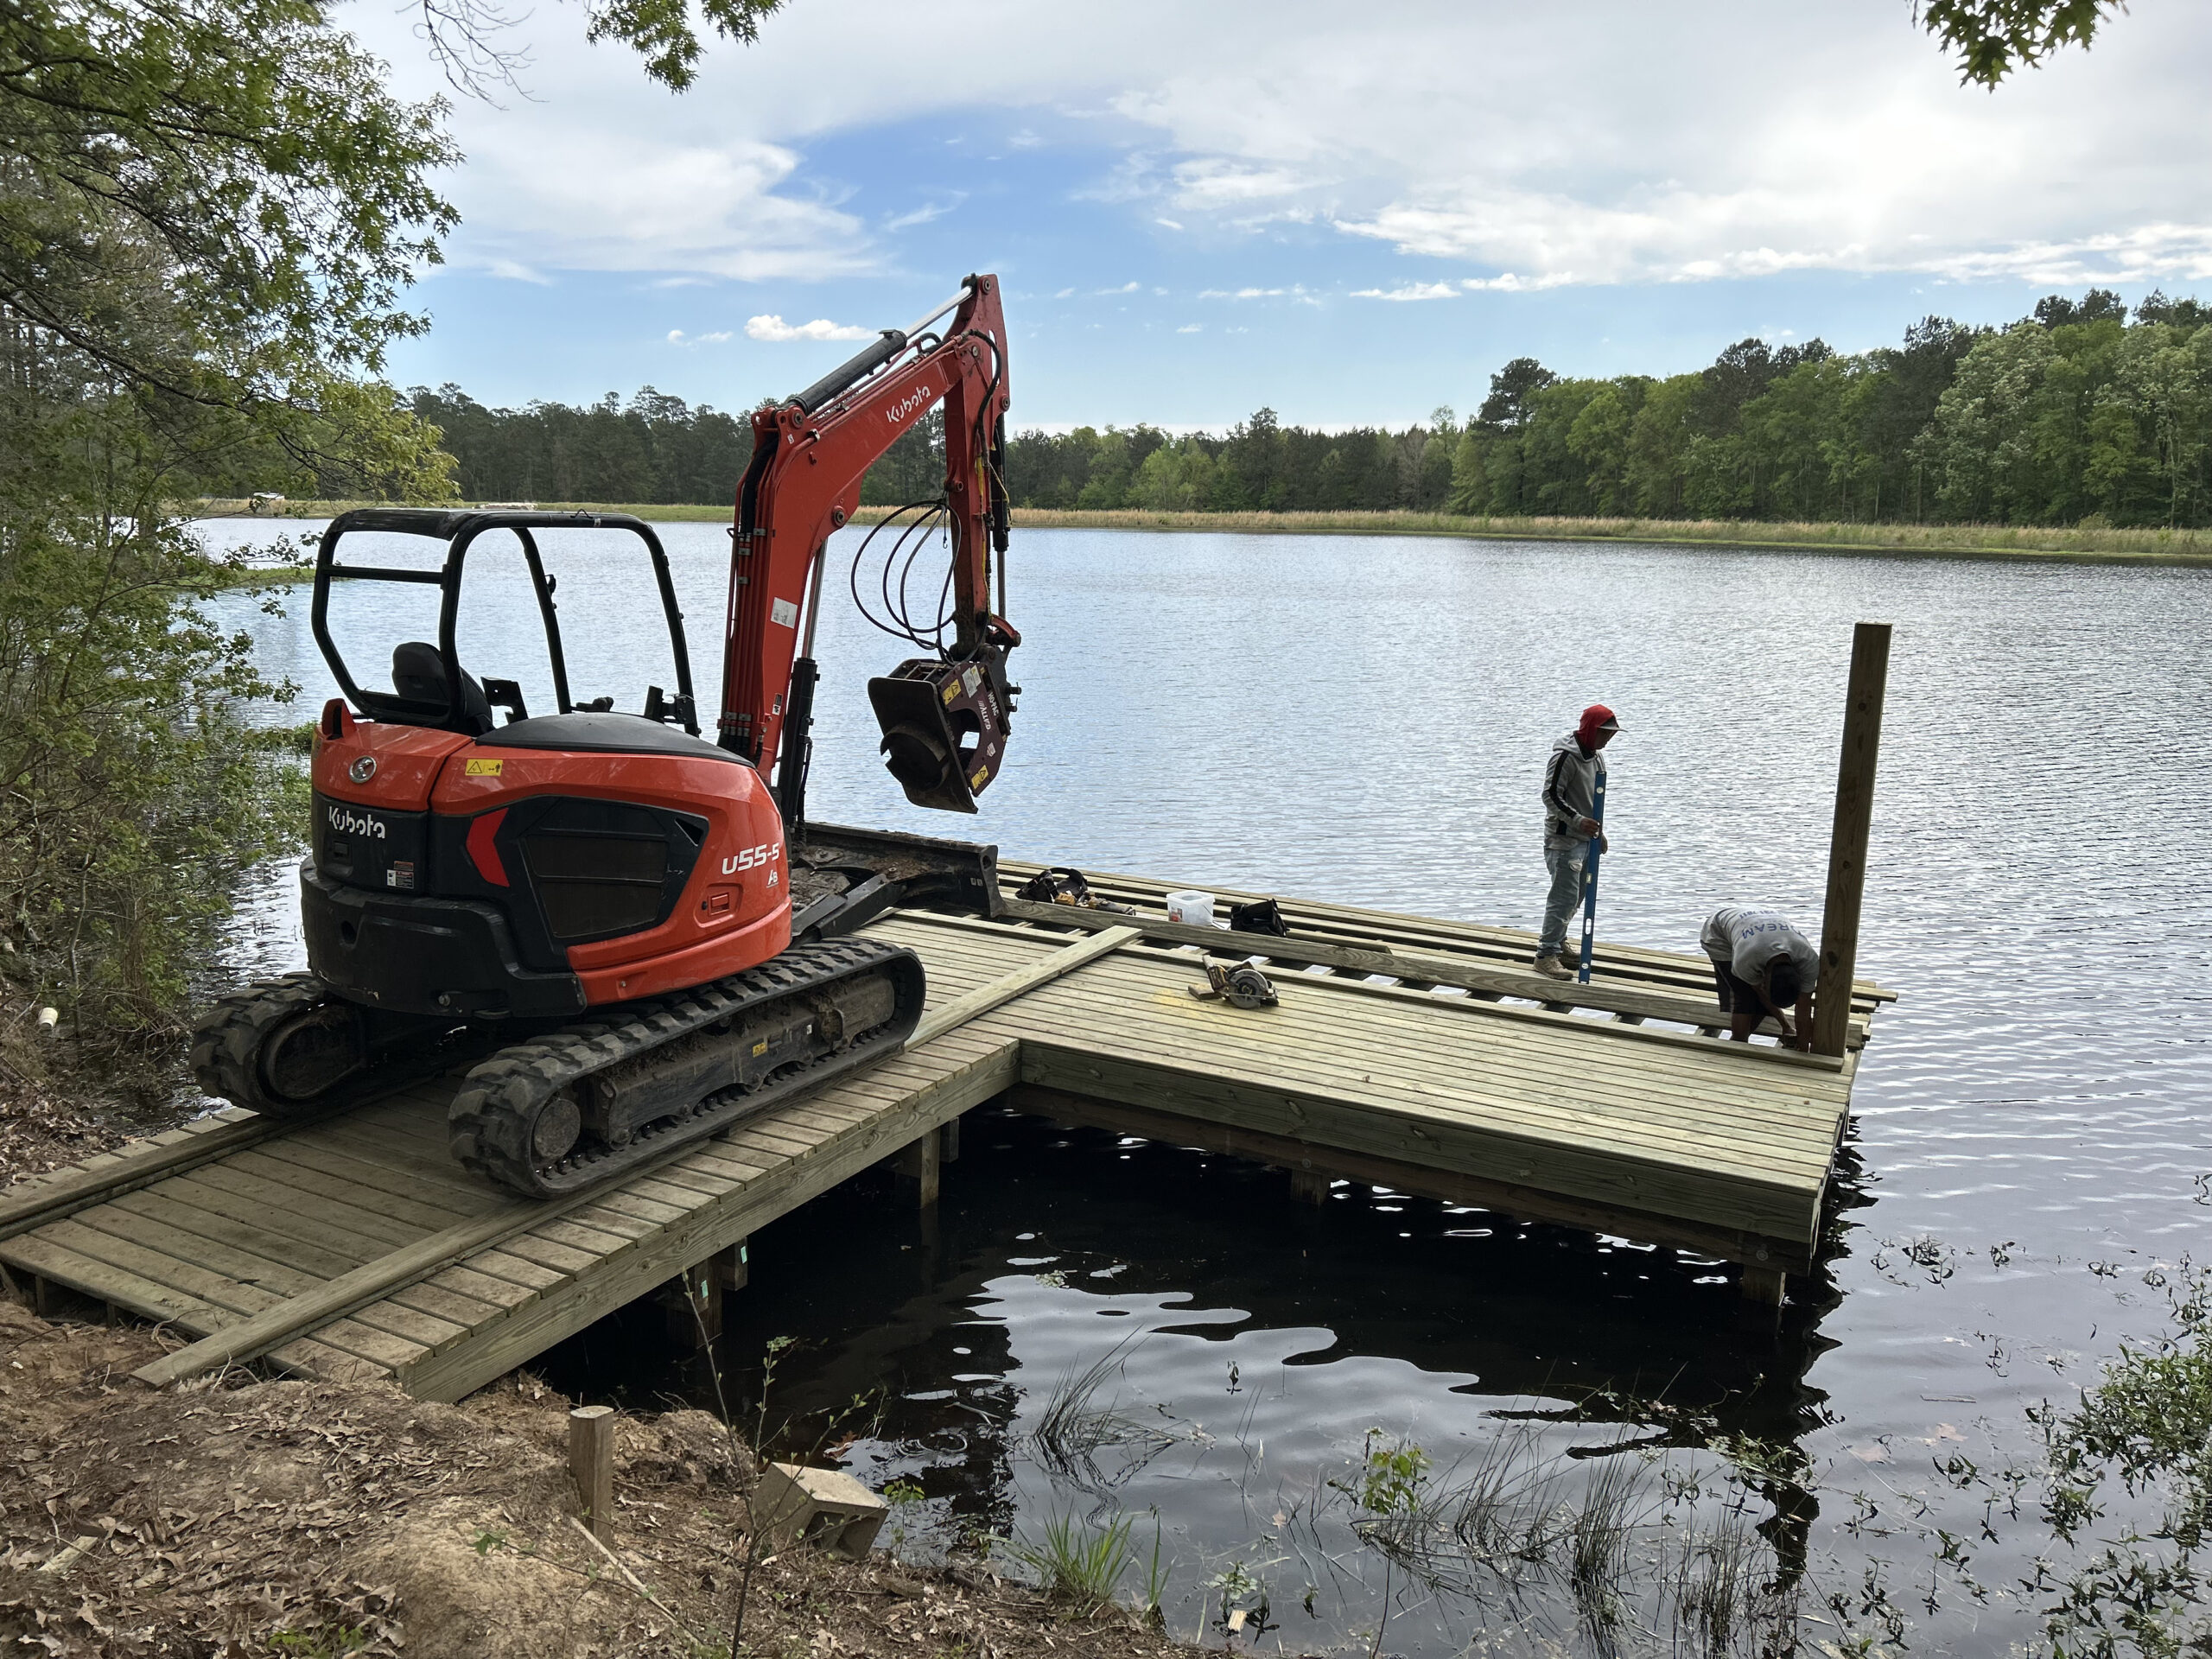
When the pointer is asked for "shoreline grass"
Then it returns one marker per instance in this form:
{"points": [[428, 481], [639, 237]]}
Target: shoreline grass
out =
{"points": [[2077, 544]]}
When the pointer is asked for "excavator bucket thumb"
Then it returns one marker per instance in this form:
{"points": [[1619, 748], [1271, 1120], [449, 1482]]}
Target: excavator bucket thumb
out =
{"points": [[943, 730]]}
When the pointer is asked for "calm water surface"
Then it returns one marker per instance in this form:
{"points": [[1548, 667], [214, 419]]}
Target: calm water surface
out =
{"points": [[1365, 720]]}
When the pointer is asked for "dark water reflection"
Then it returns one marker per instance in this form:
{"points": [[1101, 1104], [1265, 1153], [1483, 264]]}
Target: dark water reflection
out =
{"points": [[1363, 720]]}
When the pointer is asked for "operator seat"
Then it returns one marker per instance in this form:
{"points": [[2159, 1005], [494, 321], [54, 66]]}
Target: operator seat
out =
{"points": [[417, 672]]}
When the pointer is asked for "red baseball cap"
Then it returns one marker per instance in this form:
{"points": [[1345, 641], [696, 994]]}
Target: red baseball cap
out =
{"points": [[1595, 719]]}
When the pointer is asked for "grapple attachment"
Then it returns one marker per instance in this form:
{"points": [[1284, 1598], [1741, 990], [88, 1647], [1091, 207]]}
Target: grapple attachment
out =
{"points": [[944, 728]]}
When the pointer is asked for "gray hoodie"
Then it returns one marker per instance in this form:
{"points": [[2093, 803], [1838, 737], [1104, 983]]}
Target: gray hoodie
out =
{"points": [[1570, 788]]}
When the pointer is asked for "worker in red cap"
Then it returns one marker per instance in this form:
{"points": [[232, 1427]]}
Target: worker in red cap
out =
{"points": [[1571, 776]]}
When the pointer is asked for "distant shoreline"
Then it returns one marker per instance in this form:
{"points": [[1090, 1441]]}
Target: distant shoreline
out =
{"points": [[2074, 545]]}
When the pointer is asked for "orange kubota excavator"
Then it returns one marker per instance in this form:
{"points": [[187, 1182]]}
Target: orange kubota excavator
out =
{"points": [[635, 940]]}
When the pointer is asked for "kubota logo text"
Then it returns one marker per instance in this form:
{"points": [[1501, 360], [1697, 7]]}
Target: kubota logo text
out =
{"points": [[343, 820], [907, 405]]}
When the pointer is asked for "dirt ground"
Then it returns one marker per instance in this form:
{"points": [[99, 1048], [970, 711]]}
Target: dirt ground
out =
{"points": [[246, 1516], [43, 1126]]}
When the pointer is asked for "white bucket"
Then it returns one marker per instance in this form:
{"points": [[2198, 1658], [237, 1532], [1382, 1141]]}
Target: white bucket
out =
{"points": [[1191, 909]]}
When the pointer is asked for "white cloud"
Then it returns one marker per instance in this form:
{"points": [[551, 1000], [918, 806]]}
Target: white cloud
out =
{"points": [[775, 329], [1064, 294], [2149, 253], [1530, 146], [926, 214], [577, 200], [1172, 225], [1242, 293], [1409, 291], [1572, 157], [1220, 181], [1191, 329], [677, 337], [515, 271], [1126, 288], [1507, 282]]}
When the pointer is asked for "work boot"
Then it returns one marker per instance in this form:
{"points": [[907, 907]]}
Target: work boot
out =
{"points": [[1551, 968]]}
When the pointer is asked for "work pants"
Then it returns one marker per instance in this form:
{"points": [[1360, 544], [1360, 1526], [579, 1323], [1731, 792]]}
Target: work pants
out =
{"points": [[1564, 859]]}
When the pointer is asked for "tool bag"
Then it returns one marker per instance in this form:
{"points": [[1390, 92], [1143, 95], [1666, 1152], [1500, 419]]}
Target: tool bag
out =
{"points": [[1260, 916], [1063, 886]]}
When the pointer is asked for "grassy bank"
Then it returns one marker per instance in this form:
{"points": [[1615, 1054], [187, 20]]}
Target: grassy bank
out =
{"points": [[2078, 545]]}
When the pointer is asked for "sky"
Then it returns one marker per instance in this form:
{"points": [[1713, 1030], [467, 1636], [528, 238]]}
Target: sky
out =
{"points": [[1350, 214]]}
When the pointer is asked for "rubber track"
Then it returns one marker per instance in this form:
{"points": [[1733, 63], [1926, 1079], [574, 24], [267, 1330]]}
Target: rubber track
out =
{"points": [[492, 1116], [227, 1040]]}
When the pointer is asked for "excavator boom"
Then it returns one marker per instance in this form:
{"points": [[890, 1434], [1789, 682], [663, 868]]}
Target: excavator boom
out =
{"points": [[944, 718]]}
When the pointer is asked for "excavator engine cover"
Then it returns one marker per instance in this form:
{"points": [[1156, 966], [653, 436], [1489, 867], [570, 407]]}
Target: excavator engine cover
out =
{"points": [[944, 734]]}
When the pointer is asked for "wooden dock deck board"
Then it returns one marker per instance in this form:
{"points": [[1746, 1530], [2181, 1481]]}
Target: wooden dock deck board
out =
{"points": [[1633, 1123]]}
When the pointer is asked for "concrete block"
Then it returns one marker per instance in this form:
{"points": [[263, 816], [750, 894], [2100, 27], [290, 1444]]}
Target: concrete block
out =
{"points": [[824, 1507]]}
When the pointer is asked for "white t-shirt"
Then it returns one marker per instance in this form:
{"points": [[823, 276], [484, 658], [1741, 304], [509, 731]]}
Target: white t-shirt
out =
{"points": [[1746, 941]]}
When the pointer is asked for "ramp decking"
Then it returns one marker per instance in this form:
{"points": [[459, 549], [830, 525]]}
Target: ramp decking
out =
{"points": [[1411, 1051]]}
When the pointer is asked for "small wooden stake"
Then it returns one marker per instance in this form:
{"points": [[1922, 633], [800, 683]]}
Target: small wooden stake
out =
{"points": [[591, 1460], [1854, 819]]}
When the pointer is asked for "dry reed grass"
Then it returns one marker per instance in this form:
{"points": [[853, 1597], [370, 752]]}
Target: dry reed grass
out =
{"points": [[2085, 543]]}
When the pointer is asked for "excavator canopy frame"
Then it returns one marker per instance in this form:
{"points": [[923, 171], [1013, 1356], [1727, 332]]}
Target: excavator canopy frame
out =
{"points": [[460, 531]]}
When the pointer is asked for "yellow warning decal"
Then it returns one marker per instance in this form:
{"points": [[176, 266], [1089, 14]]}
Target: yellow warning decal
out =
{"points": [[482, 768], [951, 689], [983, 776], [759, 1048]]}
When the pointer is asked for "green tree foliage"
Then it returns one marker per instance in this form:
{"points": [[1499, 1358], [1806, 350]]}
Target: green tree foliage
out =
{"points": [[208, 209], [2075, 411], [237, 162], [466, 37], [1994, 37], [657, 449], [2078, 411]]}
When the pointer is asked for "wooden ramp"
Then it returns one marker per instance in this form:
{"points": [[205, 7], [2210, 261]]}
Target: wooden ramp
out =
{"points": [[1413, 1052]]}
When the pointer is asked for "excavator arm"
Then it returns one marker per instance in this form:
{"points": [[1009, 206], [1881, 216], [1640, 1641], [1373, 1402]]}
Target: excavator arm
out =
{"points": [[944, 717]]}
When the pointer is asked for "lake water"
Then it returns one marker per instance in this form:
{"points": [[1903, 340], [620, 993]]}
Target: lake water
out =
{"points": [[1365, 720]]}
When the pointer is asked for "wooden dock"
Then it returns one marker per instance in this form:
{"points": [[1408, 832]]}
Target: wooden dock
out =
{"points": [[1406, 1051]]}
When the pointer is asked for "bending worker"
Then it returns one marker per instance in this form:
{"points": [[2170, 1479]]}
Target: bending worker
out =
{"points": [[1571, 778], [1762, 965]]}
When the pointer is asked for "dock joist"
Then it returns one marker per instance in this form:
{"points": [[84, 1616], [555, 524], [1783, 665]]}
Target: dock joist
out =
{"points": [[1414, 1052]]}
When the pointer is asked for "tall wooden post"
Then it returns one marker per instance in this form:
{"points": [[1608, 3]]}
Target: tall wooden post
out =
{"points": [[1854, 818]]}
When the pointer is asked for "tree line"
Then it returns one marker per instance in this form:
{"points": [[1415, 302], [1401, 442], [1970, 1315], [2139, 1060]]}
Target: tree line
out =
{"points": [[2081, 411]]}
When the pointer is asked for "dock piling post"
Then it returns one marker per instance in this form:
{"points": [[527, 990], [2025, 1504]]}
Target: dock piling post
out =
{"points": [[591, 1460], [1309, 1186], [1762, 1285], [947, 1139], [694, 1305], [733, 1266], [1854, 818], [918, 1164]]}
